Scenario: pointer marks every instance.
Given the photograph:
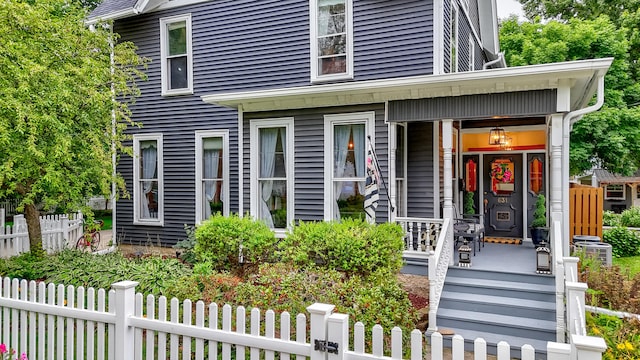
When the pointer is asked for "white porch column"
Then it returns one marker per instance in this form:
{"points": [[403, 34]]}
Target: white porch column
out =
{"points": [[393, 146], [556, 177], [447, 156]]}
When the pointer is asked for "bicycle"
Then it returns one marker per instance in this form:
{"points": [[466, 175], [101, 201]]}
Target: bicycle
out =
{"points": [[91, 238]]}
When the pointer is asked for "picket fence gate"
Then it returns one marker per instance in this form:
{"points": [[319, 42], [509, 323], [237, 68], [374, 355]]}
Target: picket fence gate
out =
{"points": [[58, 233], [46, 321]]}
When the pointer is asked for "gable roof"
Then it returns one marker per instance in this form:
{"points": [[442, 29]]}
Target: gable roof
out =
{"points": [[605, 177]]}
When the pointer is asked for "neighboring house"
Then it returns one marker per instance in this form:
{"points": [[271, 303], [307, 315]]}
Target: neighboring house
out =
{"points": [[620, 192], [267, 108]]}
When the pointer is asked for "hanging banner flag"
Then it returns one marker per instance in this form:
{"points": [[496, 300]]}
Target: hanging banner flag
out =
{"points": [[371, 186]]}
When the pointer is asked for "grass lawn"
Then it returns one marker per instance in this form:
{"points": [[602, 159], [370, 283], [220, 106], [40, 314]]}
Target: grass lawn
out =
{"points": [[107, 222], [631, 263]]}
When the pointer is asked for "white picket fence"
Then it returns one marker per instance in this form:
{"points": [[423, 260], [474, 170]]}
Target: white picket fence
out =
{"points": [[58, 232], [58, 322]]}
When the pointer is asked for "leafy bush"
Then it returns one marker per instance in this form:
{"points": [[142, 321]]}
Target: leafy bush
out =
{"points": [[621, 335], [29, 266], [630, 217], [219, 288], [609, 218], [374, 299], [540, 212], [220, 239], [624, 242], [353, 246]]}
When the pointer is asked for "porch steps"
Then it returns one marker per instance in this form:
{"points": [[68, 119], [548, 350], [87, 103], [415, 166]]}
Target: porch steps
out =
{"points": [[498, 306]]}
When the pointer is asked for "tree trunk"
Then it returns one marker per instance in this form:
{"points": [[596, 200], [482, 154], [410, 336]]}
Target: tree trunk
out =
{"points": [[32, 216]]}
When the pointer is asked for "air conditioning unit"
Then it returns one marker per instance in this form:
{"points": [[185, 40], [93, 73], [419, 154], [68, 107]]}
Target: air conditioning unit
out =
{"points": [[600, 249]]}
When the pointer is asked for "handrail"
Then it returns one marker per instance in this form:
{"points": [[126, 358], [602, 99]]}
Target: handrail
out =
{"points": [[438, 266]]}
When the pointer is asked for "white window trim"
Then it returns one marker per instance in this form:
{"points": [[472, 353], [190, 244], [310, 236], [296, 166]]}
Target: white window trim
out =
{"points": [[454, 66], [254, 127], [313, 13], [163, 54], [331, 120], [624, 193], [200, 135], [136, 180], [472, 53]]}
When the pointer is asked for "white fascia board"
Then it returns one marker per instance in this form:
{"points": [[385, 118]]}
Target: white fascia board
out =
{"points": [[523, 78]]}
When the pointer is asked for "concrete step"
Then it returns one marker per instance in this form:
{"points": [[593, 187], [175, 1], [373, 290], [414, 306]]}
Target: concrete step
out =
{"points": [[501, 288], [489, 304]]}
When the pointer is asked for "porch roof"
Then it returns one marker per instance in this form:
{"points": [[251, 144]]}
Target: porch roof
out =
{"points": [[579, 77], [605, 177]]}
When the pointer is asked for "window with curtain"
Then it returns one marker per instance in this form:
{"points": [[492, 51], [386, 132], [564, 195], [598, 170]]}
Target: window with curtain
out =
{"points": [[212, 167], [148, 192], [212, 201], [176, 55], [349, 154], [330, 30], [272, 172]]}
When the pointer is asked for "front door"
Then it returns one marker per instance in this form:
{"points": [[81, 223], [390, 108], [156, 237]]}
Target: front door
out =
{"points": [[503, 195]]}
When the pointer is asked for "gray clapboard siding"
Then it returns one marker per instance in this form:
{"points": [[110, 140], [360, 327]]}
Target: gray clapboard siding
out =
{"points": [[309, 157], [243, 45], [420, 194]]}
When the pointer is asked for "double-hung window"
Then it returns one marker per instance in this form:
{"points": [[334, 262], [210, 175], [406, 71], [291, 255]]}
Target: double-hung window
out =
{"points": [[212, 169], [272, 172], [331, 39], [175, 50], [345, 168], [148, 188]]}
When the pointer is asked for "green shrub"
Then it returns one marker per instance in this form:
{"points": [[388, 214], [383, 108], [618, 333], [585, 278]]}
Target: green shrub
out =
{"points": [[469, 206], [219, 288], [630, 217], [621, 335], [29, 266], [353, 246], [609, 218], [624, 242], [540, 212], [220, 238]]}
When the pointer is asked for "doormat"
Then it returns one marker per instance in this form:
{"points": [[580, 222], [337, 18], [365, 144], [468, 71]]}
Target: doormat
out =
{"points": [[502, 240]]}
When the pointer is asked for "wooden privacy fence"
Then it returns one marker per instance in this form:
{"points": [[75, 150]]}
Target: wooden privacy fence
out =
{"points": [[585, 210], [58, 322], [58, 232]]}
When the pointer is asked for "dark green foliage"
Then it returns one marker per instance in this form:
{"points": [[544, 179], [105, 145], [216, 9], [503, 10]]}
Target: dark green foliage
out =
{"points": [[469, 206], [624, 242], [83, 269], [219, 288], [218, 240], [540, 212], [29, 266], [353, 245], [630, 217], [609, 218]]}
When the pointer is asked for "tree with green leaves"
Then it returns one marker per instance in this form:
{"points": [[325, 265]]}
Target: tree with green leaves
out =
{"points": [[609, 138], [64, 95]]}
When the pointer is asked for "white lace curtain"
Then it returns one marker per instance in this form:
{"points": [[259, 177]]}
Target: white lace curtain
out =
{"points": [[149, 161], [211, 160], [268, 141]]}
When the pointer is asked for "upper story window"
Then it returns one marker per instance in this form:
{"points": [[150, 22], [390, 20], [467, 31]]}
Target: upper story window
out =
{"points": [[148, 188], [212, 169], [331, 39], [175, 50]]}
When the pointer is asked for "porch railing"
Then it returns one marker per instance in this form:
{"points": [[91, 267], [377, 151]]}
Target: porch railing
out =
{"points": [[421, 234], [439, 260]]}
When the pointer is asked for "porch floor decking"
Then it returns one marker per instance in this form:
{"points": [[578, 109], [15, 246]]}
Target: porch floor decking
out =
{"points": [[504, 258]]}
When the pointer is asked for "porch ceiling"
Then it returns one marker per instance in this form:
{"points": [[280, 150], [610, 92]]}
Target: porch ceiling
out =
{"points": [[579, 77]]}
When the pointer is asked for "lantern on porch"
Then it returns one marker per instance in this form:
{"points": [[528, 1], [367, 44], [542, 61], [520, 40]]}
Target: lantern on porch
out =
{"points": [[464, 255], [543, 259], [497, 136]]}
